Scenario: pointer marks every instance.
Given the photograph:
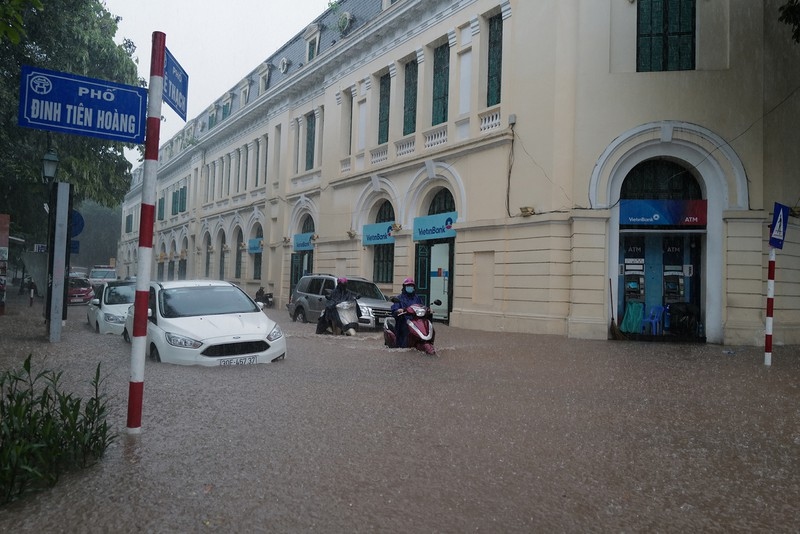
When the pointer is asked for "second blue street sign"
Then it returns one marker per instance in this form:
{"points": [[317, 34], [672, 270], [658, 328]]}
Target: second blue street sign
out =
{"points": [[68, 103]]}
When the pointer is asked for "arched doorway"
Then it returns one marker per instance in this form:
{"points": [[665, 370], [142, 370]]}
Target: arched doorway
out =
{"points": [[433, 268], [302, 260], [662, 230]]}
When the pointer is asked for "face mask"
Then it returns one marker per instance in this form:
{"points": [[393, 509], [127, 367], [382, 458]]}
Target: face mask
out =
{"points": [[409, 289]]}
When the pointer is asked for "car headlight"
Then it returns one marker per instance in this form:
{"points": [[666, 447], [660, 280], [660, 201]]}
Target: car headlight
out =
{"points": [[365, 310], [111, 318], [276, 333], [182, 341]]}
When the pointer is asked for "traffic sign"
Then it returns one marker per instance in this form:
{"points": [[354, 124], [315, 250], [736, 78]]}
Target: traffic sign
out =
{"points": [[176, 84], [777, 231], [61, 102], [77, 223]]}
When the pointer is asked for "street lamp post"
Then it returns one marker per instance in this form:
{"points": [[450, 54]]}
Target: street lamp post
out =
{"points": [[58, 226]]}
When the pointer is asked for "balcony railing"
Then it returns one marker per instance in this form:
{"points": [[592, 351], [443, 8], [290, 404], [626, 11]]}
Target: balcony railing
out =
{"points": [[436, 137], [379, 155], [489, 120], [405, 146]]}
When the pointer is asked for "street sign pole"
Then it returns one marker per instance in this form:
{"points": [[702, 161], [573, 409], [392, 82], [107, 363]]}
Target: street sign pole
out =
{"points": [[147, 219], [777, 234], [770, 308]]}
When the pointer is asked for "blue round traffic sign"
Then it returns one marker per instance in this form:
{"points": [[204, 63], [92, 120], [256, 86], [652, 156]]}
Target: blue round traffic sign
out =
{"points": [[77, 223]]}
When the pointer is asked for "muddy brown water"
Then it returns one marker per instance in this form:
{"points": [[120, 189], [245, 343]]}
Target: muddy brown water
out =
{"points": [[499, 433]]}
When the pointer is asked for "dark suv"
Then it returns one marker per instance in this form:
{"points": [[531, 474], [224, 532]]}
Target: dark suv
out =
{"points": [[309, 297]]}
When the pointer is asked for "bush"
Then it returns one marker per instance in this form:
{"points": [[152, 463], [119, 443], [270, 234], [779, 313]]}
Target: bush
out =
{"points": [[45, 432]]}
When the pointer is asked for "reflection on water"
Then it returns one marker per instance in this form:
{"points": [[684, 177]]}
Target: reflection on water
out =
{"points": [[500, 433]]}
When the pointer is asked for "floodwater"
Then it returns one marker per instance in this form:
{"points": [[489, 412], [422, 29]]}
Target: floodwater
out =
{"points": [[499, 433]]}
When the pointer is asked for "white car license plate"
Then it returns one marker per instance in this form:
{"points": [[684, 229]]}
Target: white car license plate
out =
{"points": [[242, 360], [76, 300]]}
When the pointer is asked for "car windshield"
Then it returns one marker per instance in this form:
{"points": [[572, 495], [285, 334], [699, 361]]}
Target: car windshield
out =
{"points": [[204, 300], [78, 283], [366, 290], [120, 294], [103, 273]]}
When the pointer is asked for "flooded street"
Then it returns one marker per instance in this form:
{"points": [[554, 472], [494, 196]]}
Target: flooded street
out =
{"points": [[499, 433]]}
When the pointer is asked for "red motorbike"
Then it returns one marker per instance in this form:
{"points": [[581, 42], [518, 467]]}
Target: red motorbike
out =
{"points": [[419, 320]]}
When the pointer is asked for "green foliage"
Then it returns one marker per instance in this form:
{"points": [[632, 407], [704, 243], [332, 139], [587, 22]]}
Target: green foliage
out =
{"points": [[44, 431], [790, 14], [11, 23], [74, 36]]}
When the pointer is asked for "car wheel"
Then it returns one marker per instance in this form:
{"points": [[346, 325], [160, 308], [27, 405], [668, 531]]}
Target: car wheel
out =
{"points": [[154, 355], [125, 335], [300, 315]]}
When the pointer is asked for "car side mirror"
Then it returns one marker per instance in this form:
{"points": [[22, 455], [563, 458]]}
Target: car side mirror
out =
{"points": [[395, 300]]}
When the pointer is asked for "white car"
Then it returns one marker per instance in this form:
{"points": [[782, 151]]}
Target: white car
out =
{"points": [[106, 311], [207, 322]]}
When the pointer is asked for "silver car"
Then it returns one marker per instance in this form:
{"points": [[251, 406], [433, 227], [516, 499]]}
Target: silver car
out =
{"points": [[309, 297]]}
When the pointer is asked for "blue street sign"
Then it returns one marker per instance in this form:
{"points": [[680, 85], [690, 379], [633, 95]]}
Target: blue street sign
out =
{"points": [[777, 232], [176, 85], [67, 103]]}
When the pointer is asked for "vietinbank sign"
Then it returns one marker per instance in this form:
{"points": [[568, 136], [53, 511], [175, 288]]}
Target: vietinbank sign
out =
{"points": [[68, 103], [663, 212], [377, 234], [303, 241], [438, 226]]}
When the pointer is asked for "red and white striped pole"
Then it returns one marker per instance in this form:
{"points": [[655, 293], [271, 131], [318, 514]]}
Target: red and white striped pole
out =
{"points": [[770, 307], [147, 218]]}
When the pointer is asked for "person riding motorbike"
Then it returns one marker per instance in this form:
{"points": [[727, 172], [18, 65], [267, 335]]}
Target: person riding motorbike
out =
{"points": [[339, 294], [406, 298]]}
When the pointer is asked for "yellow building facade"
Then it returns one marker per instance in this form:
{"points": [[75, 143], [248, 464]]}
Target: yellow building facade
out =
{"points": [[536, 165]]}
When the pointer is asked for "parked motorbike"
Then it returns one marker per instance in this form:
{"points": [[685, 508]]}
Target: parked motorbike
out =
{"points": [[266, 298], [420, 328], [339, 319]]}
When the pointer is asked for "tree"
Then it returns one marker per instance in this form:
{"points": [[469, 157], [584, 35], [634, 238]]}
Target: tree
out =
{"points": [[75, 36], [11, 23], [790, 14]]}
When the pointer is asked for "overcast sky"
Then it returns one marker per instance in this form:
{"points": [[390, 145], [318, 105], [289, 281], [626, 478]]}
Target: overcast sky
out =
{"points": [[216, 43]]}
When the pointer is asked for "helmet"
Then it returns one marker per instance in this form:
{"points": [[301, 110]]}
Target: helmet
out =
{"points": [[341, 280], [409, 282]]}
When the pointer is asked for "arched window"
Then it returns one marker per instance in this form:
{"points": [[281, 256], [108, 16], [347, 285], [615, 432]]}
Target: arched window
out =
{"points": [[208, 257], [222, 257], [383, 259], [240, 250], [258, 254], [308, 225], [659, 179], [443, 202]]}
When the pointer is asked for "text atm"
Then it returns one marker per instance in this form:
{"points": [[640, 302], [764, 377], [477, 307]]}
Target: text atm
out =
{"points": [[673, 286], [634, 283]]}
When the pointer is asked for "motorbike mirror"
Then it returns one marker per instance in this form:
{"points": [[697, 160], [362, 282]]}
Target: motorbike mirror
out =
{"points": [[437, 302]]}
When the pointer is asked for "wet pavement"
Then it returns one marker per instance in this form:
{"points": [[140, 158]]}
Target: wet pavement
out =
{"points": [[499, 433]]}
